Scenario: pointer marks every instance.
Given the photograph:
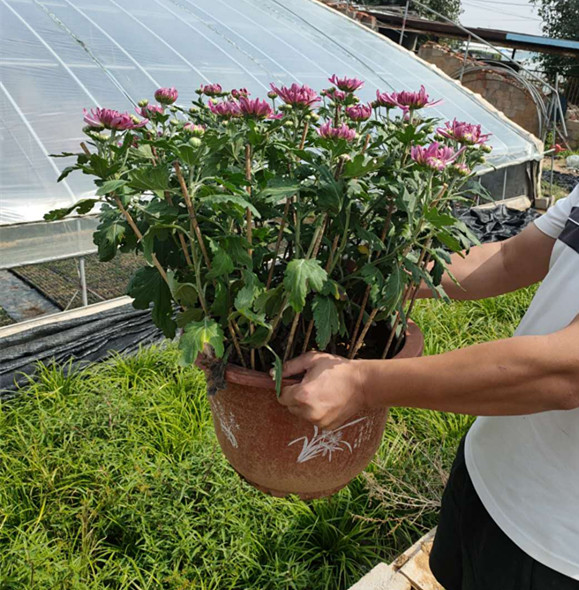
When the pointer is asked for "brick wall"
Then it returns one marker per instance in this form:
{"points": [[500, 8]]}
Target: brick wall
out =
{"points": [[501, 90]]}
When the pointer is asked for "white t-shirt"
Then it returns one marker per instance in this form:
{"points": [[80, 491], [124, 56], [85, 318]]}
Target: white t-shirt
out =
{"points": [[525, 469]]}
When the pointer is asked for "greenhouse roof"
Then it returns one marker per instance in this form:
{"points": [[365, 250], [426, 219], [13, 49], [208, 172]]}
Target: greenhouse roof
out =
{"points": [[61, 56]]}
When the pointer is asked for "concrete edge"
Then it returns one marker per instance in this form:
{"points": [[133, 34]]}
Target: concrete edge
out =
{"points": [[64, 315]]}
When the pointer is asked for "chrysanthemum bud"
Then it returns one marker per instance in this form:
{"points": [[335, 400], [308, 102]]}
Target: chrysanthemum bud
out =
{"points": [[166, 95], [144, 102], [195, 141], [194, 130]]}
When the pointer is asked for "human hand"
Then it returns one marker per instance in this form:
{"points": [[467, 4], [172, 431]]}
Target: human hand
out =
{"points": [[330, 392]]}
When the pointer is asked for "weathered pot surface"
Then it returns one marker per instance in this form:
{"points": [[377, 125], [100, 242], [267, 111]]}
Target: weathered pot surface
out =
{"points": [[281, 454]]}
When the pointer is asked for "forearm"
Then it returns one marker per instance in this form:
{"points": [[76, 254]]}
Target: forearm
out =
{"points": [[520, 375], [479, 274], [496, 268]]}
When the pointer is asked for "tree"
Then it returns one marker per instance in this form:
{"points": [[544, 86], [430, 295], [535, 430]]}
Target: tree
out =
{"points": [[561, 21], [449, 8]]}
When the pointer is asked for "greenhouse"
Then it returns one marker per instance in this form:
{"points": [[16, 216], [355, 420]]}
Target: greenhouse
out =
{"points": [[61, 57]]}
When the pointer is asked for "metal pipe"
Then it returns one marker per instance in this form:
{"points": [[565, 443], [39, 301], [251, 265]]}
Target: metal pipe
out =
{"points": [[404, 22], [505, 183], [458, 25], [554, 131], [82, 274]]}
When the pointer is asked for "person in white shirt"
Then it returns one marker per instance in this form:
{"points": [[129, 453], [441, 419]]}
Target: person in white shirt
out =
{"points": [[510, 512]]}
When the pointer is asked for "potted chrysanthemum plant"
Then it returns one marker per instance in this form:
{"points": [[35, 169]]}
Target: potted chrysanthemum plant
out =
{"points": [[272, 226]]}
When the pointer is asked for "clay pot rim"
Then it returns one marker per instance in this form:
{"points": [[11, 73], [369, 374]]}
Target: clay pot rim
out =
{"points": [[413, 347]]}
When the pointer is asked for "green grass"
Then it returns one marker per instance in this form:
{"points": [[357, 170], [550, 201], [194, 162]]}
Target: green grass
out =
{"points": [[111, 478]]}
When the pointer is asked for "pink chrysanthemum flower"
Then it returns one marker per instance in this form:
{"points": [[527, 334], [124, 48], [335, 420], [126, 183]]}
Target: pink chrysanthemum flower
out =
{"points": [[226, 109], [346, 84], [239, 92], [211, 89], [111, 119], [414, 100], [335, 94], [166, 95], [296, 95], [359, 112], [464, 133], [256, 108], [150, 110], [434, 156], [342, 132], [383, 99]]}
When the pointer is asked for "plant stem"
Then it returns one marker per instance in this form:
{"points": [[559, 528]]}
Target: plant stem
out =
{"points": [[278, 242], [139, 235], [249, 233], [385, 230], [249, 222], [192, 216], [236, 344], [366, 142], [422, 262], [311, 322], [312, 253], [181, 237]]}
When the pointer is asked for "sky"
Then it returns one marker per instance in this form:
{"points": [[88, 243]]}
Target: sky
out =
{"points": [[518, 16]]}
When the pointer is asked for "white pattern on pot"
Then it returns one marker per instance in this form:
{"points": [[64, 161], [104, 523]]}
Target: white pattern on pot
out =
{"points": [[227, 422], [324, 443]]}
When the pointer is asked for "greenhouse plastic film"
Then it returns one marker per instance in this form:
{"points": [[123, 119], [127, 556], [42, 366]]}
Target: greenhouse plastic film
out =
{"points": [[60, 57]]}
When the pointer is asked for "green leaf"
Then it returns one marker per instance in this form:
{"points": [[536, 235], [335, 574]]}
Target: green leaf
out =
{"points": [[82, 207], [237, 247], [375, 279], [269, 302], [394, 289], [279, 188], [326, 320], [148, 286], [109, 234], [151, 178], [233, 199], [302, 276], [110, 186], [196, 336], [360, 165], [221, 264], [189, 315], [259, 337], [277, 371], [66, 172], [252, 287], [189, 154], [449, 241], [220, 305], [334, 289], [184, 293], [437, 219], [100, 166]]}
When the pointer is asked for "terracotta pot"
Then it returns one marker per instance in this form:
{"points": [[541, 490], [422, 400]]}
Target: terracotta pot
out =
{"points": [[281, 454]]}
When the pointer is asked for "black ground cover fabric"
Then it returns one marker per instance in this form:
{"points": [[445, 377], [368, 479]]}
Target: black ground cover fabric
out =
{"points": [[497, 224], [84, 340]]}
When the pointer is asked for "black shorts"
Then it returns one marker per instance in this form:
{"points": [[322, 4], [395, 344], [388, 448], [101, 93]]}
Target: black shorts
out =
{"points": [[471, 552]]}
